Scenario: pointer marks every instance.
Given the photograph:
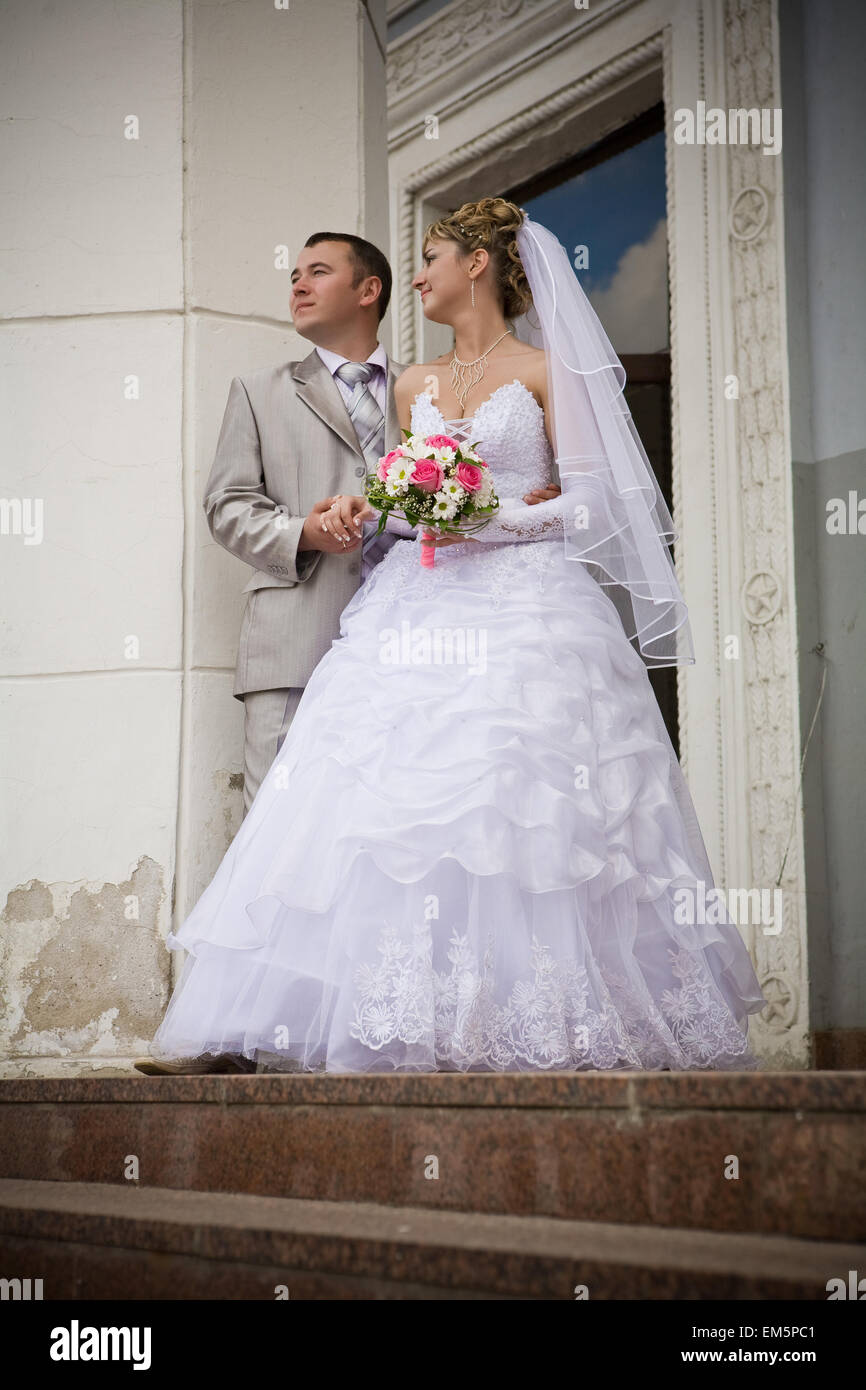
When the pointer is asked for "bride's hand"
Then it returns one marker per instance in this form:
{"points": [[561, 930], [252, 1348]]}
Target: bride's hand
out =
{"points": [[542, 494], [344, 519]]}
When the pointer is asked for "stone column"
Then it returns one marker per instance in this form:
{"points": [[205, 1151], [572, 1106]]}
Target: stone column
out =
{"points": [[163, 164]]}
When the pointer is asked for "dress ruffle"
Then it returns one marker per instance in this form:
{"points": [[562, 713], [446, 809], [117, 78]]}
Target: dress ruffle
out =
{"points": [[468, 864]]}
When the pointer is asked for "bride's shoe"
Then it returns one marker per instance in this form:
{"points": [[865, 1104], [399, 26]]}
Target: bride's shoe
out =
{"points": [[194, 1066]]}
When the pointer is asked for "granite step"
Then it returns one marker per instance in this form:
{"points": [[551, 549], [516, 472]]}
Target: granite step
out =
{"points": [[638, 1148], [100, 1241]]}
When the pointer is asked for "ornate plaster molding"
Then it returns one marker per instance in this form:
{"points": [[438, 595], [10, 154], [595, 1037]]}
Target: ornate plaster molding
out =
{"points": [[475, 46], [442, 41], [771, 745]]}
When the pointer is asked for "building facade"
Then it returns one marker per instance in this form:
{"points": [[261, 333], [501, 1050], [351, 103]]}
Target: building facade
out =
{"points": [[155, 268]]}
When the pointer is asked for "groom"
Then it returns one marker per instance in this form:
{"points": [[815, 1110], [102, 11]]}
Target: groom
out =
{"points": [[294, 436]]}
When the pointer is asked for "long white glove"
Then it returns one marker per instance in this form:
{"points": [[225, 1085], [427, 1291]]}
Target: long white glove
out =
{"points": [[517, 521]]}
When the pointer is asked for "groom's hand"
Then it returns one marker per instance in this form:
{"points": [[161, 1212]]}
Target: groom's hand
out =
{"points": [[542, 494], [315, 535], [335, 525], [345, 517]]}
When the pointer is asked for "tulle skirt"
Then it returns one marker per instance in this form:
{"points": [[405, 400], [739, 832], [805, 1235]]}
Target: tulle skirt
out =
{"points": [[471, 852]]}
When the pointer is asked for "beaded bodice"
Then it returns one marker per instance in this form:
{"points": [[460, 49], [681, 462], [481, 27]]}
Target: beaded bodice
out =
{"points": [[508, 429]]}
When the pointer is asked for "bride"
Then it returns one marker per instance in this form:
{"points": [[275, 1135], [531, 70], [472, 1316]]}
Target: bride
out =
{"points": [[475, 849]]}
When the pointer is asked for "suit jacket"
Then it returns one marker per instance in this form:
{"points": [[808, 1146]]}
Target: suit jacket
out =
{"points": [[286, 442]]}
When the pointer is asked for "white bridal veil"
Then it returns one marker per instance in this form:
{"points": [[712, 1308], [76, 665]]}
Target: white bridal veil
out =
{"points": [[615, 516]]}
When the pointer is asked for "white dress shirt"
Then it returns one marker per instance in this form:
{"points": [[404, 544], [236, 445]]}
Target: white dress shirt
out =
{"points": [[378, 383]]}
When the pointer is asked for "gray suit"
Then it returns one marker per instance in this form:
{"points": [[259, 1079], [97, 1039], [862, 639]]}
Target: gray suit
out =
{"points": [[286, 442]]}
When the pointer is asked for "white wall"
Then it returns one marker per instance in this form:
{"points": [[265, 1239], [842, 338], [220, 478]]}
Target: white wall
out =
{"points": [[137, 277]]}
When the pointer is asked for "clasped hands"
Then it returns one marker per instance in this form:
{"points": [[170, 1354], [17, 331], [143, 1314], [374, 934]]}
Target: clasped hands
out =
{"points": [[336, 524]]}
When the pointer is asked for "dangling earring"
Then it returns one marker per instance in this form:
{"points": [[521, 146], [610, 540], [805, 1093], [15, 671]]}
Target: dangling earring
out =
{"points": [[472, 291]]}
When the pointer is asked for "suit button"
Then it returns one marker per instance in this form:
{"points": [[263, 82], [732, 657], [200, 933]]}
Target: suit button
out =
{"points": [[355, 570], [359, 471]]}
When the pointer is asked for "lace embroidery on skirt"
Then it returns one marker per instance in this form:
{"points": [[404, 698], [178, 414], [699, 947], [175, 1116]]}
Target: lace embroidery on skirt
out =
{"points": [[547, 1021]]}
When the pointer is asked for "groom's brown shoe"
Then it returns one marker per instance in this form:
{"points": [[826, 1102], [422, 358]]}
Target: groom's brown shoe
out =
{"points": [[194, 1066]]}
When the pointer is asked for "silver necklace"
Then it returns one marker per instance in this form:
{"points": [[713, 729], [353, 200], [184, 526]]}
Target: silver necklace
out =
{"points": [[466, 375]]}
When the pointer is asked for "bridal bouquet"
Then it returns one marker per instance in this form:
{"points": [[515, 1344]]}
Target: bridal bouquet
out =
{"points": [[435, 482]]}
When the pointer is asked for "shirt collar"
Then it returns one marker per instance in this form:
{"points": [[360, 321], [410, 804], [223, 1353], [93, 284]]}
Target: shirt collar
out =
{"points": [[333, 360]]}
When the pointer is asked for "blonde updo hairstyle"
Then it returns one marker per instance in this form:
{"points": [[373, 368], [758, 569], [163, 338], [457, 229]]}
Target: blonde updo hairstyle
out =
{"points": [[490, 223]]}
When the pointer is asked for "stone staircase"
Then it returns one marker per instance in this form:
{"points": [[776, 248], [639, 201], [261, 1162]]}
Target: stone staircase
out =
{"points": [[435, 1186]]}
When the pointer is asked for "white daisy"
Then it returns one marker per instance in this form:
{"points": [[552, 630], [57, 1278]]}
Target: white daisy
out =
{"points": [[444, 507], [485, 492], [398, 476], [443, 455]]}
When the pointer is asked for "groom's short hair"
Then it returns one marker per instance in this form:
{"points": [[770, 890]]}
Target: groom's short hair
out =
{"points": [[367, 258]]}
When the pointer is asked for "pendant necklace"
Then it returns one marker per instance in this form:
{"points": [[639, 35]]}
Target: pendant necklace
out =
{"points": [[466, 375]]}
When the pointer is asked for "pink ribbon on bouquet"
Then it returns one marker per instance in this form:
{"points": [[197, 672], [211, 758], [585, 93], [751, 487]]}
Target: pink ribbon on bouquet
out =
{"points": [[428, 549]]}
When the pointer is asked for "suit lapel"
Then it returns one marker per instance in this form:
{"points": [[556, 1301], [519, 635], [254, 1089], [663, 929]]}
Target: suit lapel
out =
{"points": [[315, 386]]}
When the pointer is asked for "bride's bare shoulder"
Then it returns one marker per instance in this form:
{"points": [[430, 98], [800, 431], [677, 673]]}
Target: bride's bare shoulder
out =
{"points": [[416, 379], [530, 365], [531, 356]]}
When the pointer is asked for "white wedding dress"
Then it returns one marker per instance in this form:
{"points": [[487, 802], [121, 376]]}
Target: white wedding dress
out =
{"points": [[469, 864]]}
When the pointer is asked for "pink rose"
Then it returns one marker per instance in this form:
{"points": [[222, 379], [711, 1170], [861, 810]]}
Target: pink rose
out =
{"points": [[469, 475], [385, 463], [441, 441], [428, 475]]}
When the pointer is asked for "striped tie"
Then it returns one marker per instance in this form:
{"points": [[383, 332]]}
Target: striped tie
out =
{"points": [[364, 412], [369, 423]]}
